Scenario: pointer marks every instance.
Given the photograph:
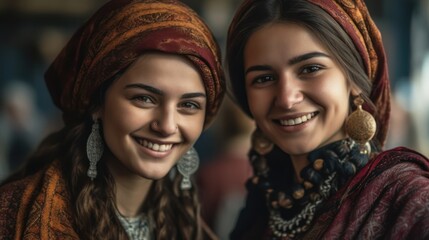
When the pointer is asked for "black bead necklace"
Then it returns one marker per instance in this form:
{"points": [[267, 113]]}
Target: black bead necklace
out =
{"points": [[292, 207]]}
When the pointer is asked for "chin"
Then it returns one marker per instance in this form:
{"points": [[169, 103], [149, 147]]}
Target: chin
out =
{"points": [[153, 175], [297, 149]]}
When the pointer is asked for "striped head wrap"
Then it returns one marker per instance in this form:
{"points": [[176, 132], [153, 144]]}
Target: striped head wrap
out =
{"points": [[355, 19], [116, 35]]}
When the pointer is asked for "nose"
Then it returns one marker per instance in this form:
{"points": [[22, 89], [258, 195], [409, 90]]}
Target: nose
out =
{"points": [[165, 123], [289, 92]]}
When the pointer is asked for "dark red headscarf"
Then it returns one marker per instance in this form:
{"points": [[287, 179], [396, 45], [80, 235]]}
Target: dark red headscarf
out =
{"points": [[116, 35], [354, 17]]}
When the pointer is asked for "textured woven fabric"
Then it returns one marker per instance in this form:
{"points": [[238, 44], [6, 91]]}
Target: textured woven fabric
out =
{"points": [[355, 19], [387, 199], [36, 207], [120, 32]]}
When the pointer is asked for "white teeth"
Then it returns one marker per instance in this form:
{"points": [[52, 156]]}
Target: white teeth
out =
{"points": [[298, 120], [155, 146]]}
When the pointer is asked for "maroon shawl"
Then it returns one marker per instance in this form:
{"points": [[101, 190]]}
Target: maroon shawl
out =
{"points": [[388, 198]]}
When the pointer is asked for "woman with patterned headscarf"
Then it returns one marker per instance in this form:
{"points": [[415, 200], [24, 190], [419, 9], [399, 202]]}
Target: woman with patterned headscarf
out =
{"points": [[137, 84], [313, 75]]}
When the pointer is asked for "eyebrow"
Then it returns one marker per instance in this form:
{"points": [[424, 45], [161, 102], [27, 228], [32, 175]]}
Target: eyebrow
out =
{"points": [[292, 61], [307, 56], [160, 92]]}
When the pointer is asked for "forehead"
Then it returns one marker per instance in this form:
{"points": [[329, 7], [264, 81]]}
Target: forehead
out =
{"points": [[164, 71], [281, 40]]}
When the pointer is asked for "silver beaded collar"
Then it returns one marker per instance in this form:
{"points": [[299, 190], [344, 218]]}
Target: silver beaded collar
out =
{"points": [[137, 228]]}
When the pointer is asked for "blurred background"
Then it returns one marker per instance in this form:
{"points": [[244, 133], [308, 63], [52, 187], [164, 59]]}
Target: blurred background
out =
{"points": [[32, 32]]}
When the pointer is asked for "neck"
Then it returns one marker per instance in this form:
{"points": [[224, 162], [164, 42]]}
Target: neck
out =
{"points": [[130, 195], [299, 162], [130, 189]]}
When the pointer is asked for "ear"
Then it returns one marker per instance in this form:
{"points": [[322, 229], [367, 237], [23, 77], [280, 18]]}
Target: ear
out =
{"points": [[96, 115], [355, 90]]}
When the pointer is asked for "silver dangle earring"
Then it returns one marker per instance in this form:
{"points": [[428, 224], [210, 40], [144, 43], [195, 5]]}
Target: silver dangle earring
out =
{"points": [[187, 165], [94, 149]]}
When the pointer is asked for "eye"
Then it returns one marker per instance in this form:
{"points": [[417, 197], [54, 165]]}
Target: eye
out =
{"points": [[262, 79], [143, 99], [190, 106], [311, 69]]}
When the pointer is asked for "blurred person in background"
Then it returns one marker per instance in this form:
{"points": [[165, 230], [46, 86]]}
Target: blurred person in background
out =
{"points": [[136, 84], [419, 98], [23, 124], [223, 177]]}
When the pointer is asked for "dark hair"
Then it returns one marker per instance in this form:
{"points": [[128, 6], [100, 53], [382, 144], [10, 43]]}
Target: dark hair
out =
{"points": [[175, 212], [255, 14], [251, 16]]}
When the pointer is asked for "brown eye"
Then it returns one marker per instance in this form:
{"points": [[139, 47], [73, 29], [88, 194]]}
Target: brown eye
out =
{"points": [[263, 79], [311, 69], [191, 105], [143, 98]]}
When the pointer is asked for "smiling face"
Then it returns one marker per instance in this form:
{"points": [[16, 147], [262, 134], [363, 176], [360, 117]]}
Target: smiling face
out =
{"points": [[152, 115], [297, 93]]}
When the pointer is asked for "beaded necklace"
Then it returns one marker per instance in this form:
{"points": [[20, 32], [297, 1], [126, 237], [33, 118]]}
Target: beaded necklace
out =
{"points": [[137, 228], [292, 207]]}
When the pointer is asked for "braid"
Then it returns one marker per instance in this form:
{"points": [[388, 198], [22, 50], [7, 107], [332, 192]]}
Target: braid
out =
{"points": [[175, 211], [188, 201], [93, 205], [163, 214]]}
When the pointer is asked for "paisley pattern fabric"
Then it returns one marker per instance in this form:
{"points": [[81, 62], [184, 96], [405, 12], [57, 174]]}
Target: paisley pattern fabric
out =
{"points": [[355, 19], [120, 32], [36, 207], [387, 199]]}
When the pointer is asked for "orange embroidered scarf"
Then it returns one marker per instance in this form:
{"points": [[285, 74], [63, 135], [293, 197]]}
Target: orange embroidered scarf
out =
{"points": [[120, 32], [36, 207]]}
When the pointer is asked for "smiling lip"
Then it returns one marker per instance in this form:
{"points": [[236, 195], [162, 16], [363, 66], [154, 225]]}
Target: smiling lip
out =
{"points": [[155, 149], [301, 119]]}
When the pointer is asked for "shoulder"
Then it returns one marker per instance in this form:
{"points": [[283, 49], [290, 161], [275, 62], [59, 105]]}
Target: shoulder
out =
{"points": [[404, 152], [400, 159], [400, 166], [390, 196], [402, 176], [12, 192], [42, 196], [13, 196]]}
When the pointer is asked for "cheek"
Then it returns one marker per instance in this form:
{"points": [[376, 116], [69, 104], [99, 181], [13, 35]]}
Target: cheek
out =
{"points": [[122, 118], [257, 101], [333, 91], [194, 127]]}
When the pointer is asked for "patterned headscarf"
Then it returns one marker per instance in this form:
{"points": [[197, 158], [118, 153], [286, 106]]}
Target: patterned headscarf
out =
{"points": [[354, 18], [116, 35]]}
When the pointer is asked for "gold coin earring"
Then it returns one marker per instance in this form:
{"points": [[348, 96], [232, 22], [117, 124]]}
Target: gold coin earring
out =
{"points": [[361, 126]]}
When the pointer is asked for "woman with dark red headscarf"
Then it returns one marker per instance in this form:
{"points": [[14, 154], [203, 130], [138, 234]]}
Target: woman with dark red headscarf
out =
{"points": [[137, 84], [313, 75]]}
